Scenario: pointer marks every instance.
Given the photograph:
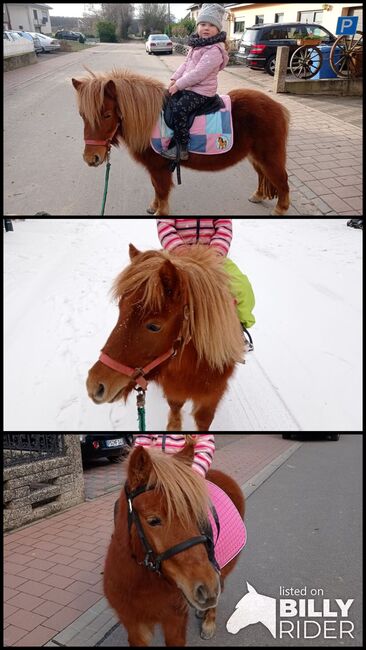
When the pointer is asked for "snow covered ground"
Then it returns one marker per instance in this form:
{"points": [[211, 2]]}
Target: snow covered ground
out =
{"points": [[305, 373]]}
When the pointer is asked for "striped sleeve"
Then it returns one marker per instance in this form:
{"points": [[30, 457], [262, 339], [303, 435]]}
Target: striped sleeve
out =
{"points": [[223, 235], [144, 441], [168, 234], [204, 453]]}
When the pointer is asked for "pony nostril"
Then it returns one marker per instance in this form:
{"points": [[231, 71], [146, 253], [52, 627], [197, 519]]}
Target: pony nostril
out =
{"points": [[100, 392], [201, 594]]}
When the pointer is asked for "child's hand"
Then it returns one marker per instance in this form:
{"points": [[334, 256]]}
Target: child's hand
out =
{"points": [[173, 89]]}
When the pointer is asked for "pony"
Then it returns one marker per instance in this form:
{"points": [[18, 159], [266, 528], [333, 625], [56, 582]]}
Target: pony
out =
{"points": [[178, 327], [158, 563], [122, 106]]}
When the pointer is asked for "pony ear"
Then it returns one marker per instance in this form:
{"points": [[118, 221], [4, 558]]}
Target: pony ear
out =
{"points": [[139, 468], [110, 89], [186, 455], [76, 83], [133, 252], [169, 278]]}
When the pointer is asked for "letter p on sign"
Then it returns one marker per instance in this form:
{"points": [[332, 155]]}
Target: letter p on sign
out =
{"points": [[346, 25]]}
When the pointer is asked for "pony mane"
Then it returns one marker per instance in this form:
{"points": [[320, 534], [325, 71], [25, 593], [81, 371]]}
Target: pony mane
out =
{"points": [[184, 490], [213, 324], [139, 101]]}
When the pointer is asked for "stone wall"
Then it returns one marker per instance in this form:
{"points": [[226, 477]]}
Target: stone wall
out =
{"points": [[43, 487]]}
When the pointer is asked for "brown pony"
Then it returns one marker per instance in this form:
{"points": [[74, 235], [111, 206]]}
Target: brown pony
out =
{"points": [[122, 105], [163, 506], [177, 326]]}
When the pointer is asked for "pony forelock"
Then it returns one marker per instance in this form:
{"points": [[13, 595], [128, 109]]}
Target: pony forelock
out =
{"points": [[212, 322]]}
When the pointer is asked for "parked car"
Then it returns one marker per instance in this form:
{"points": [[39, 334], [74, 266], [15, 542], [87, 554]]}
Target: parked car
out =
{"points": [[332, 436], [48, 44], [35, 40], [258, 45], [15, 44], [158, 43], [67, 35], [113, 446]]}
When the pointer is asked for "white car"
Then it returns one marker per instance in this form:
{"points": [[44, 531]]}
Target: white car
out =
{"points": [[159, 43], [48, 44]]}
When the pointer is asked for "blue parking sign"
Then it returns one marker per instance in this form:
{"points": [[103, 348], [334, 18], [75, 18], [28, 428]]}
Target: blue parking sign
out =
{"points": [[347, 25]]}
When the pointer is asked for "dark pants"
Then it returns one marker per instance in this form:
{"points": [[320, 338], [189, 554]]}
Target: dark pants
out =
{"points": [[182, 104]]}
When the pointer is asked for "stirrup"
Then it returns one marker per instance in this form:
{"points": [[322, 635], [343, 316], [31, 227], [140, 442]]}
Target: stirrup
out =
{"points": [[248, 339]]}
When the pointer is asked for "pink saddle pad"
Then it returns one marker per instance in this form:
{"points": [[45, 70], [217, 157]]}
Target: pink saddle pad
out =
{"points": [[232, 537]]}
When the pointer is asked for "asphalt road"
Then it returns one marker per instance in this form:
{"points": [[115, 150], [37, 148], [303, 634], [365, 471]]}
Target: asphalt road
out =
{"points": [[44, 169], [304, 532]]}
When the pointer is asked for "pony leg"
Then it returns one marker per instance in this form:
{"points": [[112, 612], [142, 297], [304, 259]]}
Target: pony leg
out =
{"points": [[175, 416], [175, 629], [140, 635], [272, 181], [204, 415], [163, 183], [208, 629]]}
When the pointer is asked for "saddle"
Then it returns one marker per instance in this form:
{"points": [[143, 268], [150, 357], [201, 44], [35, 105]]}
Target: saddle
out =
{"points": [[230, 534], [213, 105]]}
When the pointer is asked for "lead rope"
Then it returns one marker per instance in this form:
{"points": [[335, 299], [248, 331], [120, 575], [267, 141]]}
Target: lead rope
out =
{"points": [[141, 413], [106, 181]]}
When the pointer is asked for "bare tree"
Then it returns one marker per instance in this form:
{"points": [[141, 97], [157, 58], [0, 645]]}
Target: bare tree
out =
{"points": [[121, 14], [154, 16]]}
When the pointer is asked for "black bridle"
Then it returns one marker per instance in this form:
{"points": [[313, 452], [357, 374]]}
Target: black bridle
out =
{"points": [[153, 561]]}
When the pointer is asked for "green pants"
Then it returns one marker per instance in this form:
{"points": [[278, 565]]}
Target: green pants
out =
{"points": [[243, 293]]}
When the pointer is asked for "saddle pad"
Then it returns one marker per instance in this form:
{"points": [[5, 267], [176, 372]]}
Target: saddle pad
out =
{"points": [[210, 134], [233, 533]]}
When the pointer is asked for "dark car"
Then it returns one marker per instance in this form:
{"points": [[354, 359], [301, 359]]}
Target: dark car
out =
{"points": [[113, 446], [70, 36], [258, 45], [332, 436]]}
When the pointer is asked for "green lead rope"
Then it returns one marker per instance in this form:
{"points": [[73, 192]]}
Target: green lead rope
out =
{"points": [[141, 413], [105, 186]]}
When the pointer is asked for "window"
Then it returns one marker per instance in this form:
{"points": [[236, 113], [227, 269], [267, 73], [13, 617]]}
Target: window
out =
{"points": [[279, 18], [239, 26], [259, 20], [275, 34], [310, 17]]}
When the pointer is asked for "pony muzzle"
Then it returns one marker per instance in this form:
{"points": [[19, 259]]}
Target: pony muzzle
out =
{"points": [[94, 156]]}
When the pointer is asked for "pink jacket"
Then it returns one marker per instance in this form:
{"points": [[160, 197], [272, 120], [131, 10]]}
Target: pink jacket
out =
{"points": [[200, 69], [174, 233], [171, 444]]}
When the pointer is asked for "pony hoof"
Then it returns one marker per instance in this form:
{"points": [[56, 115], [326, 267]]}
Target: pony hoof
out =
{"points": [[255, 199], [150, 211], [199, 614], [277, 213]]}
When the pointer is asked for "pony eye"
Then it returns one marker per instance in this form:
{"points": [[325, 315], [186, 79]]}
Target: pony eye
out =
{"points": [[154, 521], [153, 328]]}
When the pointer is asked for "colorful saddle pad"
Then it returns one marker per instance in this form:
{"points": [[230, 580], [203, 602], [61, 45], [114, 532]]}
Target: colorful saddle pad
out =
{"points": [[210, 134], [232, 537]]}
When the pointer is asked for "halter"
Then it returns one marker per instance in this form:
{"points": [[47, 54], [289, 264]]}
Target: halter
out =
{"points": [[104, 143], [152, 561], [138, 374]]}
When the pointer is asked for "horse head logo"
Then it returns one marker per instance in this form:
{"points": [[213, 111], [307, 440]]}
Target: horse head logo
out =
{"points": [[253, 608]]}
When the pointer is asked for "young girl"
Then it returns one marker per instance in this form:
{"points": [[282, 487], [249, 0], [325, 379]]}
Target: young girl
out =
{"points": [[203, 451], [195, 81], [178, 234]]}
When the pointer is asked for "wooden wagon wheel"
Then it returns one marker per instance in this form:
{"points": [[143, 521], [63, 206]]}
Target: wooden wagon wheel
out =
{"points": [[306, 61], [346, 56]]}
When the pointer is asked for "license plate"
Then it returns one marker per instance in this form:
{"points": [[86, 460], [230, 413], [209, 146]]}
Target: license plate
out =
{"points": [[115, 443]]}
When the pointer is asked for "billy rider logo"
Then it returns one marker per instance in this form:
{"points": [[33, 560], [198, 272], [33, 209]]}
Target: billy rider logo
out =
{"points": [[304, 618]]}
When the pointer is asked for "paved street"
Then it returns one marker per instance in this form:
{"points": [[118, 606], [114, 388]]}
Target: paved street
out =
{"points": [[47, 172], [304, 504]]}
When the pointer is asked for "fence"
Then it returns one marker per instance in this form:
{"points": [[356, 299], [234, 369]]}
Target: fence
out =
{"points": [[43, 475]]}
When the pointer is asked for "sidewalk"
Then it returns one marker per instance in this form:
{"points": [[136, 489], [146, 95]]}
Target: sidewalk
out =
{"points": [[324, 152], [53, 588]]}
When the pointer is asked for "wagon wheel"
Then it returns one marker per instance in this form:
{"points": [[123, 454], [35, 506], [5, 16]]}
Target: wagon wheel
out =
{"points": [[346, 56], [306, 61]]}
